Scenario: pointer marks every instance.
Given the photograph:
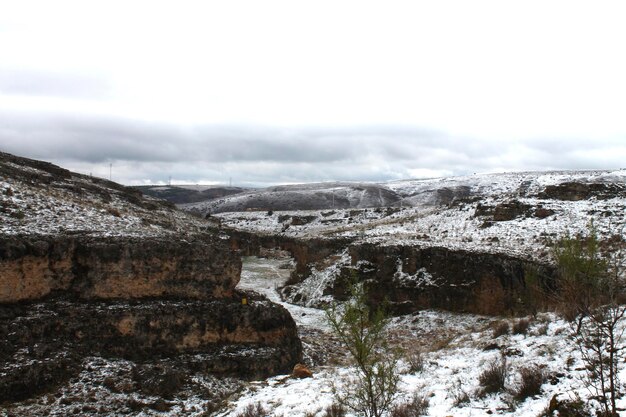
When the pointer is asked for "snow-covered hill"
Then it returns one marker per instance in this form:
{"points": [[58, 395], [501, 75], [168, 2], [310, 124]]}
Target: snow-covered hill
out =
{"points": [[515, 213], [301, 197], [40, 198]]}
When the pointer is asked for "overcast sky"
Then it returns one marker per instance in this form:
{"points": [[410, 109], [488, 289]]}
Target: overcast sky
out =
{"points": [[268, 92]]}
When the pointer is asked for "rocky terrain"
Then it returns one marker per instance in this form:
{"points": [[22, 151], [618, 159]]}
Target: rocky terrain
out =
{"points": [[464, 244], [104, 292], [458, 261], [114, 303]]}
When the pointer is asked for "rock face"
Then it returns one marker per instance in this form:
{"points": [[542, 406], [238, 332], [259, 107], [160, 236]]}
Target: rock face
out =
{"points": [[85, 267], [576, 191], [89, 268], [219, 330], [306, 252], [411, 278]]}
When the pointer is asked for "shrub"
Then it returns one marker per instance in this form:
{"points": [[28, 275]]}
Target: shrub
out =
{"points": [[334, 410], [541, 330], [493, 378], [416, 362], [415, 407], [521, 327], [501, 328], [582, 274], [114, 212], [370, 392], [253, 410], [532, 378], [459, 395]]}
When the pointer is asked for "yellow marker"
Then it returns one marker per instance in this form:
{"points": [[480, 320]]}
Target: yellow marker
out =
{"points": [[244, 301]]}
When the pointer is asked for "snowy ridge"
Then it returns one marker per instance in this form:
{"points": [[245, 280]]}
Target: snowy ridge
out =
{"points": [[81, 204], [464, 222], [301, 196]]}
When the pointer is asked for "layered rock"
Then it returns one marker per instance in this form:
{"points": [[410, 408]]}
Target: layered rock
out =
{"points": [[86, 267], [414, 278], [408, 278], [91, 268], [43, 344]]}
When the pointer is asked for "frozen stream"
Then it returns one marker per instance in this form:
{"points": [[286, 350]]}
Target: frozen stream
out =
{"points": [[264, 276]]}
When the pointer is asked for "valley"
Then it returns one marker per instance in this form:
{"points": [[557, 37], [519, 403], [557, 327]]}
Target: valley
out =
{"points": [[116, 303]]}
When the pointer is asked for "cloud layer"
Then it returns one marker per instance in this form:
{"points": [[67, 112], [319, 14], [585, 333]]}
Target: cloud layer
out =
{"points": [[149, 152]]}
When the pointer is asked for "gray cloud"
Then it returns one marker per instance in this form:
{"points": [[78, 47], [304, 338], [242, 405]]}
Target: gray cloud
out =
{"points": [[151, 152]]}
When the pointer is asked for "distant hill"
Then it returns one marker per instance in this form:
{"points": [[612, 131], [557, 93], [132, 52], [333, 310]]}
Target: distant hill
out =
{"points": [[317, 196], [182, 194]]}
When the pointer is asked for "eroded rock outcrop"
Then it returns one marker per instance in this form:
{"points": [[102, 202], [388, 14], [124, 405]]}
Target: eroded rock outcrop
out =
{"points": [[409, 278], [55, 336], [413, 278], [90, 268], [86, 267], [576, 191]]}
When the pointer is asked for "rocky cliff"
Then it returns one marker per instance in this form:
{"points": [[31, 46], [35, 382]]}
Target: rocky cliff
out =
{"points": [[104, 267], [408, 278], [89, 268]]}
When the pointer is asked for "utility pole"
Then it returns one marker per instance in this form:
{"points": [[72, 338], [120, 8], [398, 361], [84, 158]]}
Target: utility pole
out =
{"points": [[169, 181], [110, 171]]}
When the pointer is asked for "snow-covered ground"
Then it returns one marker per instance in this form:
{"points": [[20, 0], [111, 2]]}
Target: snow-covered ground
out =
{"points": [[456, 348], [459, 224], [80, 204]]}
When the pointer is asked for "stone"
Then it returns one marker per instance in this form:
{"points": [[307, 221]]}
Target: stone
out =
{"points": [[300, 371]]}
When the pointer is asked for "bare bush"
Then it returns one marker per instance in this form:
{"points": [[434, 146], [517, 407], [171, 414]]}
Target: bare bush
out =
{"points": [[334, 410], [253, 410], [571, 407], [602, 349], [493, 378], [459, 395], [415, 407], [521, 327], [501, 328], [532, 378], [416, 362], [541, 330]]}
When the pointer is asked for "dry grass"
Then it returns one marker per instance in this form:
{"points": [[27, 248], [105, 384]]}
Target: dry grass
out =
{"points": [[521, 327], [501, 328], [532, 378], [493, 378], [415, 407]]}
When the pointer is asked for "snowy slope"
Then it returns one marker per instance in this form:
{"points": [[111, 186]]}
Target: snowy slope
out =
{"points": [[456, 349], [38, 198], [465, 218]]}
